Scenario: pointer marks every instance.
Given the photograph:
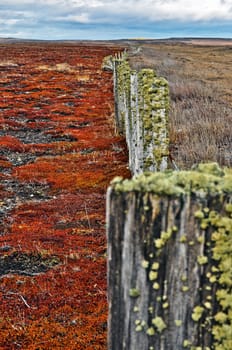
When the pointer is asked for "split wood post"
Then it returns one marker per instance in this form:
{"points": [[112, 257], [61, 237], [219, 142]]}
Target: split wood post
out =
{"points": [[141, 114], [170, 261]]}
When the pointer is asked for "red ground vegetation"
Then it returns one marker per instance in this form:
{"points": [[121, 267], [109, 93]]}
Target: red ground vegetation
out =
{"points": [[58, 153]]}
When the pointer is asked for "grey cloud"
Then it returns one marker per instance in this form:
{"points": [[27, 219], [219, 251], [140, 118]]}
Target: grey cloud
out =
{"points": [[22, 14], [108, 11]]}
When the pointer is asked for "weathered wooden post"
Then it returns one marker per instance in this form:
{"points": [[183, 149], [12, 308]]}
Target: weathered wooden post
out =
{"points": [[170, 261], [141, 114]]}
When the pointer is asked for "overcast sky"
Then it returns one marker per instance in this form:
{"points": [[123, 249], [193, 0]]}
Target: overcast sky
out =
{"points": [[115, 19]]}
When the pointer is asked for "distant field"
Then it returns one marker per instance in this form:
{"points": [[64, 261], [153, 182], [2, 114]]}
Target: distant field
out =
{"points": [[199, 73]]}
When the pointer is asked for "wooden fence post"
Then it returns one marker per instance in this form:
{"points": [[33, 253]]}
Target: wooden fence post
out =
{"points": [[141, 114], [170, 261]]}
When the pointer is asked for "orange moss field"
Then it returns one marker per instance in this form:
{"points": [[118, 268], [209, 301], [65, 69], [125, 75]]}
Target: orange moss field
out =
{"points": [[58, 153]]}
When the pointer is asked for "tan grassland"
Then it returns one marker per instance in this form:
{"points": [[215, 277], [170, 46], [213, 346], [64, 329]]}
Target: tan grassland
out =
{"points": [[199, 73]]}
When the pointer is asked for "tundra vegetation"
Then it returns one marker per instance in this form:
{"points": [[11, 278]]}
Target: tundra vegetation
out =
{"points": [[199, 77], [58, 153]]}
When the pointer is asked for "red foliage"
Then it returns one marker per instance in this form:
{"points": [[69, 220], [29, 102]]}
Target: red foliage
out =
{"points": [[58, 155], [11, 143]]}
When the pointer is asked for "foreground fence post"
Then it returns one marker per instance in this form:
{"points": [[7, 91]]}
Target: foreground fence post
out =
{"points": [[170, 261]]}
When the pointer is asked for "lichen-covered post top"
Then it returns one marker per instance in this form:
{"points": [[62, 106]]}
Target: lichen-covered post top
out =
{"points": [[141, 112], [203, 180]]}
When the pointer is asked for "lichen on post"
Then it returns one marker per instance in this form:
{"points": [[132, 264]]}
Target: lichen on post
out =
{"points": [[141, 113], [169, 260]]}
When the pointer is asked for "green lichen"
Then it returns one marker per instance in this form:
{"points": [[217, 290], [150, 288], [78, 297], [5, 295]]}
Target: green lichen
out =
{"points": [[164, 237], [221, 317], [197, 313], [201, 239], [186, 343], [145, 264], [134, 293], [150, 98], [159, 243], [150, 331], [222, 239], [204, 224], [155, 266], [136, 309], [208, 305], [138, 328], [153, 107], [183, 239], [165, 305], [156, 286], [172, 183], [200, 348], [202, 259], [212, 279], [178, 323], [150, 309], [228, 207], [159, 323], [210, 168], [184, 278], [199, 214], [140, 325], [153, 275]]}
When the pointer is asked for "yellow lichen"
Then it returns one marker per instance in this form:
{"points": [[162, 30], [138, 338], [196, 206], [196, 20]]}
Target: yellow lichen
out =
{"points": [[134, 293], [156, 286], [183, 239], [150, 331], [165, 305], [199, 214], [159, 323], [208, 305], [186, 343], [145, 264], [178, 323], [184, 278], [153, 275], [202, 259], [197, 313], [221, 317], [155, 266]]}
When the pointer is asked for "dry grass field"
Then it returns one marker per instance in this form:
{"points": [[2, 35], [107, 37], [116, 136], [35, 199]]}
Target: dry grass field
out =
{"points": [[200, 75]]}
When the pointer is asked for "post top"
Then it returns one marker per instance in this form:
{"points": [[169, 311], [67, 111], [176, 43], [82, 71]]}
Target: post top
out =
{"points": [[201, 179]]}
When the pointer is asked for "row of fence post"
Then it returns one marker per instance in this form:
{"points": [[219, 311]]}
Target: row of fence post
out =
{"points": [[169, 236]]}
